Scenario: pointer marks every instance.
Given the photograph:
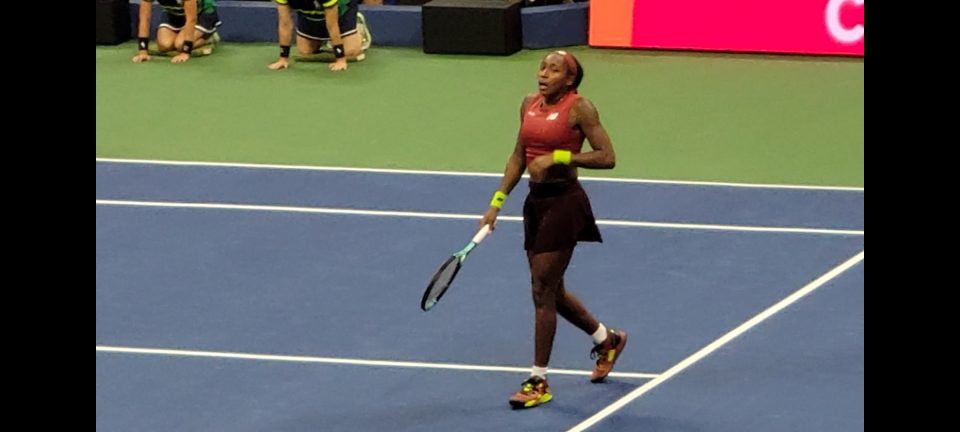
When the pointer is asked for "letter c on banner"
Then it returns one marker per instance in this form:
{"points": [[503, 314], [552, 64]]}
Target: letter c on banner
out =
{"points": [[836, 28]]}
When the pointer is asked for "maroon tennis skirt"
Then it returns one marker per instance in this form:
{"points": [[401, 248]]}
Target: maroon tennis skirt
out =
{"points": [[556, 216]]}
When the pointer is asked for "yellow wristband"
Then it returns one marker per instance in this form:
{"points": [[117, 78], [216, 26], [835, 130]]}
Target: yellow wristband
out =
{"points": [[562, 157], [498, 199]]}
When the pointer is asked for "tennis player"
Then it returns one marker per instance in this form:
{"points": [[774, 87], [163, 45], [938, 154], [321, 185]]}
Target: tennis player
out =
{"points": [[557, 213]]}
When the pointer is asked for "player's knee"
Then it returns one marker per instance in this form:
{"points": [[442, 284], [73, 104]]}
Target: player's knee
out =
{"points": [[543, 294], [304, 49]]}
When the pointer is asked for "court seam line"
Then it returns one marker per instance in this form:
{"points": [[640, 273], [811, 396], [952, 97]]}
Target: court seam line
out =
{"points": [[350, 361], [713, 346], [472, 174], [436, 215]]}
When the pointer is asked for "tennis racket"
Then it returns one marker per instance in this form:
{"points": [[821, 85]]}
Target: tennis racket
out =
{"points": [[448, 270]]}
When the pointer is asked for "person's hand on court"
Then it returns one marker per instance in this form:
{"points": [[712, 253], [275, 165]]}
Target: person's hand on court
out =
{"points": [[282, 63], [339, 65], [180, 58], [538, 166], [490, 218], [141, 57]]}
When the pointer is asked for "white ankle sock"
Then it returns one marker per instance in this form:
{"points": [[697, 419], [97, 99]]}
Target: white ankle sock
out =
{"points": [[600, 335], [539, 371]]}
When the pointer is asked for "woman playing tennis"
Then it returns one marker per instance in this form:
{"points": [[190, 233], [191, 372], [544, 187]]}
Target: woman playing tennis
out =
{"points": [[557, 214]]}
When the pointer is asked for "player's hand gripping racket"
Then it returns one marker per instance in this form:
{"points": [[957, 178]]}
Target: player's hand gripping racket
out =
{"points": [[444, 276]]}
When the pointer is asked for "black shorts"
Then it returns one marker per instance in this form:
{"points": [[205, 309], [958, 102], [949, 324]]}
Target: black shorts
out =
{"points": [[207, 23], [556, 216], [314, 27]]}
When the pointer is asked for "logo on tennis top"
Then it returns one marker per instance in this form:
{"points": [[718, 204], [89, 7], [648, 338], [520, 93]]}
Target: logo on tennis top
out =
{"points": [[553, 116]]}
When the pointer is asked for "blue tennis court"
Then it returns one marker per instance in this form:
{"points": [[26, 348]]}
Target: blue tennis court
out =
{"points": [[250, 298]]}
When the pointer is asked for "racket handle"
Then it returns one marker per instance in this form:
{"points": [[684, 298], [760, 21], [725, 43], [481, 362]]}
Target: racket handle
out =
{"points": [[481, 234]]}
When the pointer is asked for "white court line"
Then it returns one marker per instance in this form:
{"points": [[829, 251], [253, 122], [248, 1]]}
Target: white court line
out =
{"points": [[469, 174], [476, 217], [705, 351], [355, 362]]}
